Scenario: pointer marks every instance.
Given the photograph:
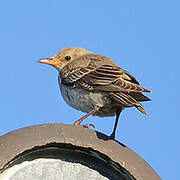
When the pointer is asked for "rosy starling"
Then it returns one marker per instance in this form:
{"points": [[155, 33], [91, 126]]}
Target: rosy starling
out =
{"points": [[95, 84]]}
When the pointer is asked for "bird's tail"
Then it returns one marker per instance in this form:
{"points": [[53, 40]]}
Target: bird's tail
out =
{"points": [[127, 100], [140, 108], [139, 96]]}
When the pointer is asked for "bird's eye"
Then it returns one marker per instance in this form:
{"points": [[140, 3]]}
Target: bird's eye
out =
{"points": [[68, 58]]}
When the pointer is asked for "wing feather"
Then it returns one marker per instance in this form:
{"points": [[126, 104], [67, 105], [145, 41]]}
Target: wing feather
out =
{"points": [[103, 77]]}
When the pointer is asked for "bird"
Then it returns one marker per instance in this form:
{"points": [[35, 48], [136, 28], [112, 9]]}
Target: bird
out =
{"points": [[94, 84]]}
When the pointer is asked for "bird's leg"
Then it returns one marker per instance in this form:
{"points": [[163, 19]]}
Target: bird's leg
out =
{"points": [[78, 122], [112, 136]]}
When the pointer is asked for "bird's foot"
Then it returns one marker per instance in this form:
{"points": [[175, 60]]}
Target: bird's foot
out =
{"points": [[112, 136], [85, 125], [78, 122], [88, 125]]}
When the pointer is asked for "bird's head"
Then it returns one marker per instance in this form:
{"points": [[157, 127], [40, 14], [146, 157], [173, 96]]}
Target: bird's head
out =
{"points": [[64, 56]]}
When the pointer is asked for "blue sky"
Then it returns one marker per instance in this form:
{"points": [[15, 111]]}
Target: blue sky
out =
{"points": [[140, 36]]}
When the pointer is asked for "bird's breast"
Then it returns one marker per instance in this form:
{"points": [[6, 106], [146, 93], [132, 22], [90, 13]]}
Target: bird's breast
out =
{"points": [[85, 100]]}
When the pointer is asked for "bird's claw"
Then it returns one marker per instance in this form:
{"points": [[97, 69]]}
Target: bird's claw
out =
{"points": [[112, 136], [88, 125]]}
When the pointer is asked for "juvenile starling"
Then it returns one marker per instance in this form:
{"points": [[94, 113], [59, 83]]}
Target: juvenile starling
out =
{"points": [[95, 84]]}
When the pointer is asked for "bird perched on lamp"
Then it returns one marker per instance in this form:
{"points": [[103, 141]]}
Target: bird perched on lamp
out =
{"points": [[95, 84]]}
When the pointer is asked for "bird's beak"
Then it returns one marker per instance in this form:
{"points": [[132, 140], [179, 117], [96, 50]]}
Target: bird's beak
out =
{"points": [[45, 61], [50, 61]]}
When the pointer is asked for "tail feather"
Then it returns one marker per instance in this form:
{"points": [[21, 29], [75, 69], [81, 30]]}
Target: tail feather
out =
{"points": [[140, 108], [127, 100], [139, 96]]}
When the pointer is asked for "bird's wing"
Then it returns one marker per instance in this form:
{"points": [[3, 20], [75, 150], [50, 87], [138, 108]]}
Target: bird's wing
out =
{"points": [[112, 78], [103, 77]]}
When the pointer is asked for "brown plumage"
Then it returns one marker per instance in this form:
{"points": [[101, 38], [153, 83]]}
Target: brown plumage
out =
{"points": [[95, 84]]}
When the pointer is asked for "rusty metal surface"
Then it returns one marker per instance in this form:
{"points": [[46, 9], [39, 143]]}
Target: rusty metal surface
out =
{"points": [[20, 140]]}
